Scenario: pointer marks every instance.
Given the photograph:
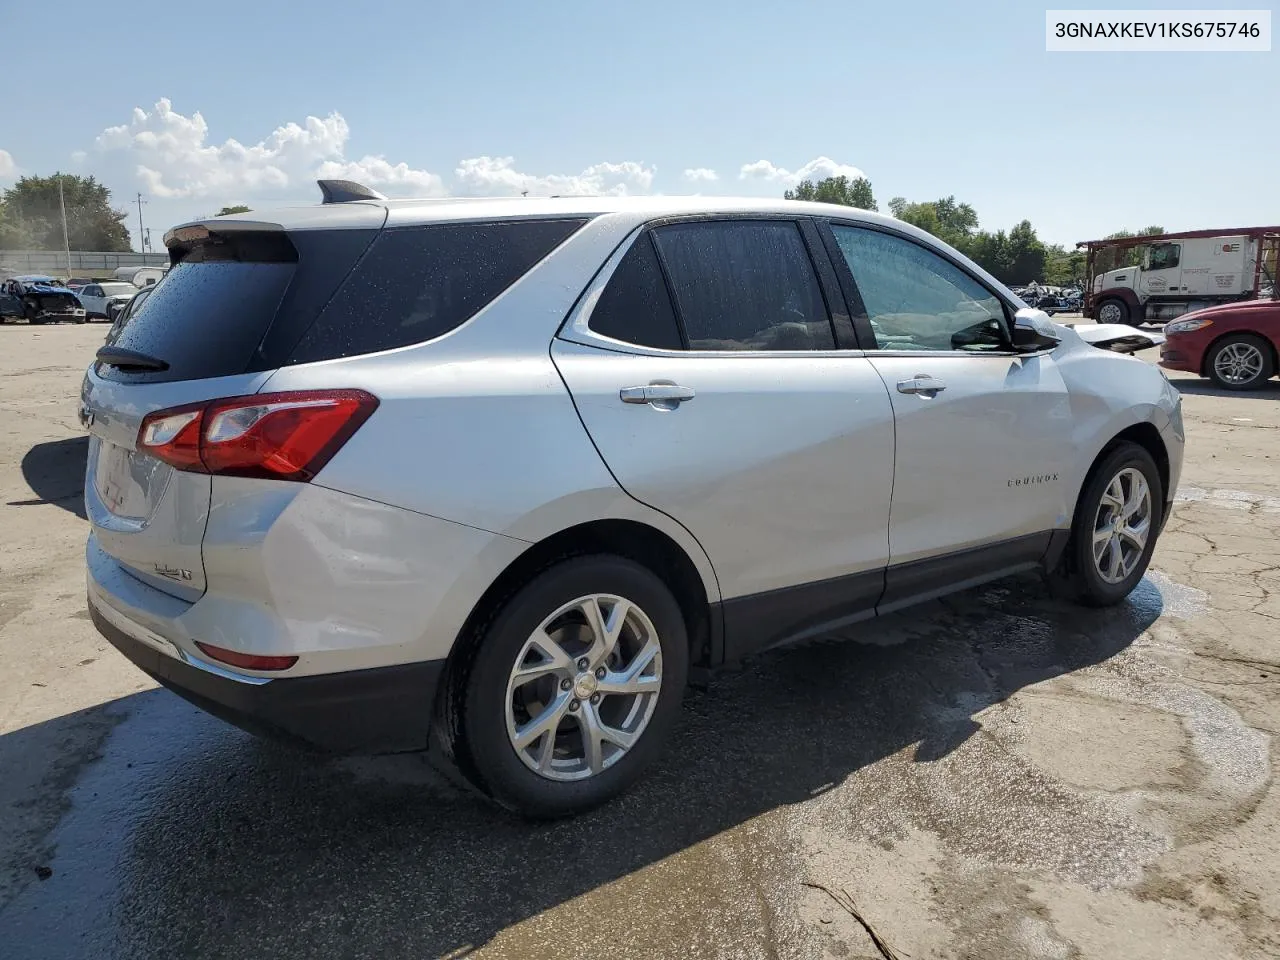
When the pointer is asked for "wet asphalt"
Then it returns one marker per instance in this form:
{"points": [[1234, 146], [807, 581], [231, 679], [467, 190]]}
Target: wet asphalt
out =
{"points": [[189, 838]]}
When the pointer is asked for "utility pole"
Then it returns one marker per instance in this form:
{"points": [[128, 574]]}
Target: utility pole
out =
{"points": [[141, 231], [66, 242]]}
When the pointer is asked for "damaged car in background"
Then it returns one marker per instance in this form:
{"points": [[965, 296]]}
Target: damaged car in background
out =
{"points": [[39, 300]]}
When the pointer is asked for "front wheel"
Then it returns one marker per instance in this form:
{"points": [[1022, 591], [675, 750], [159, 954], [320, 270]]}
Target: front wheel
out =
{"points": [[1114, 529], [1113, 311], [1240, 362], [573, 688]]}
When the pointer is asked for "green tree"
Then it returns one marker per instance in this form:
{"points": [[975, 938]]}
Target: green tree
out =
{"points": [[1027, 255], [946, 219], [1063, 267], [238, 208], [1018, 256], [841, 190], [32, 213]]}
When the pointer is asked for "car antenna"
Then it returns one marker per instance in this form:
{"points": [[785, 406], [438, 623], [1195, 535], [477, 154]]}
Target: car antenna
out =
{"points": [[346, 191]]}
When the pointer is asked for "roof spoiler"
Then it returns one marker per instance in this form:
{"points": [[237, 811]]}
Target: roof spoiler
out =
{"points": [[346, 191]]}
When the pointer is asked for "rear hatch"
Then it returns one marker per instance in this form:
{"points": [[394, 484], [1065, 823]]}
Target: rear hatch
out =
{"points": [[238, 297]]}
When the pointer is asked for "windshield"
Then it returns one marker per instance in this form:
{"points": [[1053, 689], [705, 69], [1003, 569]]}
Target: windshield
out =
{"points": [[118, 289]]}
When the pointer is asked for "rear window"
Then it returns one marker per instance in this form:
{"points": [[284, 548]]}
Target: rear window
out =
{"points": [[418, 283], [205, 319]]}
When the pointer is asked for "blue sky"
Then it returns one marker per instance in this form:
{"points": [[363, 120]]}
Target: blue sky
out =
{"points": [[927, 99]]}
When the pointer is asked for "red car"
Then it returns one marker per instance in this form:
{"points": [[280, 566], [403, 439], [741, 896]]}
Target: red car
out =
{"points": [[1236, 345]]}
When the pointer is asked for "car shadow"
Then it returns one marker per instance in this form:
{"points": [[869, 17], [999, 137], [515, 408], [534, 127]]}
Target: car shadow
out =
{"points": [[189, 838], [1205, 388], [55, 473]]}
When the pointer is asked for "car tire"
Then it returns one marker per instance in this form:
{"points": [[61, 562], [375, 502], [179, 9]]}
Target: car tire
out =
{"points": [[487, 707], [1240, 361], [1087, 572], [1112, 310]]}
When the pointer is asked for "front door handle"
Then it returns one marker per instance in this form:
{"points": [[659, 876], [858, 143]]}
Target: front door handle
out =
{"points": [[922, 383], [661, 394]]}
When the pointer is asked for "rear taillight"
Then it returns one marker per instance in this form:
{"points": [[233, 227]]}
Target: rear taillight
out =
{"points": [[275, 436]]}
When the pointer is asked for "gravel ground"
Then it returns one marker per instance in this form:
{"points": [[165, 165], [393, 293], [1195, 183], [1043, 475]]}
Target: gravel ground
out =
{"points": [[993, 776]]}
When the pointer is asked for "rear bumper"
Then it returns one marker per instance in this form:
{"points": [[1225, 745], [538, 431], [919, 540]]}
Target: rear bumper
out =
{"points": [[380, 710]]}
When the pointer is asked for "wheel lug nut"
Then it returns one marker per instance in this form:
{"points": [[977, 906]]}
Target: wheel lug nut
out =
{"points": [[573, 705], [584, 663], [600, 672], [566, 684], [595, 698]]}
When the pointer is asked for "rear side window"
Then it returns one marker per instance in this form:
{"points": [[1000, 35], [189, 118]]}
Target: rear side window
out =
{"points": [[635, 307], [418, 283], [745, 285]]}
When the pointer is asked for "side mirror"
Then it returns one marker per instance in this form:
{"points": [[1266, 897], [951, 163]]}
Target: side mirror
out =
{"points": [[1034, 332]]}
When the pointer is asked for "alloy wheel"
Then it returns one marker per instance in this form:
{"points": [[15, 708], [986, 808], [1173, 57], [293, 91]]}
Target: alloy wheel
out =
{"points": [[584, 687], [1109, 313], [1239, 363], [1122, 525]]}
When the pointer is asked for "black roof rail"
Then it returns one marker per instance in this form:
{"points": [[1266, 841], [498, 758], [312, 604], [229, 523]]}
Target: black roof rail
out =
{"points": [[346, 191]]}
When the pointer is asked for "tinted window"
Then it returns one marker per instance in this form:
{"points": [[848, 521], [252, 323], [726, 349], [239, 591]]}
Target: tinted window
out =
{"points": [[916, 300], [745, 285], [417, 283], [205, 319], [635, 306]]}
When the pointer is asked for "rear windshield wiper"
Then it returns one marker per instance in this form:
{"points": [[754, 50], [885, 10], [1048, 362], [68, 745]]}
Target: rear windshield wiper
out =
{"points": [[126, 359]]}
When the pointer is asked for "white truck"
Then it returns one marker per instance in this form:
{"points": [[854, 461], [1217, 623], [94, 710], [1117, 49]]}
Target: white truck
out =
{"points": [[1181, 272]]}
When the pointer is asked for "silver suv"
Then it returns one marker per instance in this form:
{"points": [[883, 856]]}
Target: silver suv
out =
{"points": [[498, 475]]}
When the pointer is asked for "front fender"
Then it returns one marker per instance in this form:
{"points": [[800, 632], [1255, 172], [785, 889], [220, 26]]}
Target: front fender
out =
{"points": [[1110, 393]]}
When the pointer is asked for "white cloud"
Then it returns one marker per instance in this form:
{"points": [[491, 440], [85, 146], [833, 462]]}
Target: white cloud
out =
{"points": [[816, 169], [498, 175], [79, 156], [173, 159], [399, 178], [7, 166], [701, 175]]}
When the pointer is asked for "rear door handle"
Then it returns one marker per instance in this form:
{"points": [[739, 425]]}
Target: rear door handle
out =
{"points": [[661, 394], [921, 383]]}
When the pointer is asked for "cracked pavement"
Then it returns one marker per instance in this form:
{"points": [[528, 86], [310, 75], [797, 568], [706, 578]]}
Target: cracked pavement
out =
{"points": [[997, 775]]}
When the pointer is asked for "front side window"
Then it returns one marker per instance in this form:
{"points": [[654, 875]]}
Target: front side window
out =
{"points": [[1164, 255], [916, 300], [745, 285]]}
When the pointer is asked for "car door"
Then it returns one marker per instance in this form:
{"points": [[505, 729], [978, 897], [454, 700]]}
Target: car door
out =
{"points": [[1161, 271], [704, 366], [92, 299], [10, 302], [983, 432]]}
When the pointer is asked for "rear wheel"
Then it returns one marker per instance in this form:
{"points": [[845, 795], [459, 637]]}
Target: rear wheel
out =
{"points": [[1241, 361], [1114, 530], [1113, 311], [573, 688]]}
